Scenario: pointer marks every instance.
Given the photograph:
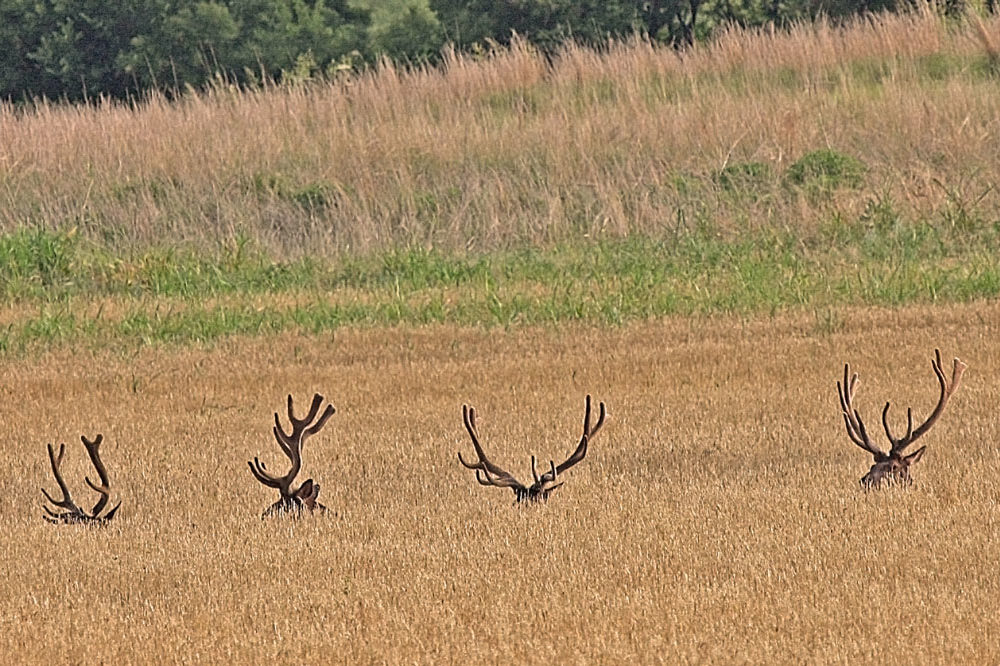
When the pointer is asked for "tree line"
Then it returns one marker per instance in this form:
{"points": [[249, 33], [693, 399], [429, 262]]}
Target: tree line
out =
{"points": [[85, 49]]}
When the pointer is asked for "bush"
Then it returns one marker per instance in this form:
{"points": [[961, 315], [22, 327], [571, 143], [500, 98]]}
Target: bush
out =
{"points": [[826, 169]]}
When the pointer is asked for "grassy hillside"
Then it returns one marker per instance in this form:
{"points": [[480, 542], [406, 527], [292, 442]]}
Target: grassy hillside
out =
{"points": [[504, 150], [812, 168]]}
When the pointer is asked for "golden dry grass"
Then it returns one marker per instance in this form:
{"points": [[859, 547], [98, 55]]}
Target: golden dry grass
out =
{"points": [[488, 152], [717, 517]]}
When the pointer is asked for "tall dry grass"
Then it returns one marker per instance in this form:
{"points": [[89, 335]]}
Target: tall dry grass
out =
{"points": [[717, 517], [504, 149]]}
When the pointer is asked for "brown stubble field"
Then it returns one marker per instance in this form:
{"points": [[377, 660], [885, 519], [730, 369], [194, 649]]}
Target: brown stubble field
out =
{"points": [[717, 517]]}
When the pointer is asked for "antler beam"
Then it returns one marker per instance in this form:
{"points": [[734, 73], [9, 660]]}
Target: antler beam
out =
{"points": [[72, 513]]}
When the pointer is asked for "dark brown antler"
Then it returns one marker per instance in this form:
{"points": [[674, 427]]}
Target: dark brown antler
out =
{"points": [[894, 466], [898, 445], [577, 455], [72, 513], [489, 474], [852, 419], [291, 444]]}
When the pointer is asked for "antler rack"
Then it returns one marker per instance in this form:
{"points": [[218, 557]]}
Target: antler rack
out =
{"points": [[894, 465], [291, 445], [490, 474], [71, 513]]}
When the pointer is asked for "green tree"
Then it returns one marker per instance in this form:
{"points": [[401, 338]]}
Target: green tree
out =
{"points": [[276, 32], [68, 48], [405, 29], [21, 28], [546, 23], [186, 46]]}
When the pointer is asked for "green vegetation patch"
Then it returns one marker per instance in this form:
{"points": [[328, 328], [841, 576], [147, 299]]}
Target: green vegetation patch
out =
{"points": [[825, 170], [744, 176], [65, 291]]}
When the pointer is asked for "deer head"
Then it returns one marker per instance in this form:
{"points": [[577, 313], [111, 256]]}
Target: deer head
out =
{"points": [[71, 512], [293, 500], [488, 474], [894, 466]]}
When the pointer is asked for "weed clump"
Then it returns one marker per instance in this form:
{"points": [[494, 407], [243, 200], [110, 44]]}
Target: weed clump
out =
{"points": [[37, 257], [825, 170], [744, 176], [311, 197]]}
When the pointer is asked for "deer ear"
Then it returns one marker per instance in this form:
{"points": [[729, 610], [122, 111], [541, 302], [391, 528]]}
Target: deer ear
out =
{"points": [[305, 490], [307, 493], [915, 456]]}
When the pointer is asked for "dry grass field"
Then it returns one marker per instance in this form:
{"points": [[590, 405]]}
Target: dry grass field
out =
{"points": [[510, 232], [497, 151], [717, 517]]}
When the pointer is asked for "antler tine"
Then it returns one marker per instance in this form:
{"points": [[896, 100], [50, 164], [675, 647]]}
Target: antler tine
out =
{"points": [[294, 454], [548, 491], [547, 477], [111, 514], [581, 448], [102, 473], [297, 423], [259, 471], [493, 475], [67, 501], [484, 478], [53, 517], [300, 427], [586, 419], [852, 418], [316, 427], [947, 389], [534, 470], [285, 441], [908, 437], [469, 418]]}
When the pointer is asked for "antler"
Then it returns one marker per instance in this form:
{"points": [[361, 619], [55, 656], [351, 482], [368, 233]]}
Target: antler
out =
{"points": [[492, 475], [898, 445], [894, 466], [291, 444], [852, 419], [73, 513], [489, 474], [581, 449]]}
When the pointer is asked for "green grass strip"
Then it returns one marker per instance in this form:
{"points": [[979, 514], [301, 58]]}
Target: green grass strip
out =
{"points": [[52, 281]]}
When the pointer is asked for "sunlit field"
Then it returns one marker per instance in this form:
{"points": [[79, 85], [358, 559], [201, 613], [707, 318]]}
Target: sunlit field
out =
{"points": [[700, 240], [717, 516]]}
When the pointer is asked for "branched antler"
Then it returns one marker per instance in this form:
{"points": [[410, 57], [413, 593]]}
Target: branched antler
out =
{"points": [[71, 512], [947, 389], [490, 474], [291, 445], [894, 466]]}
